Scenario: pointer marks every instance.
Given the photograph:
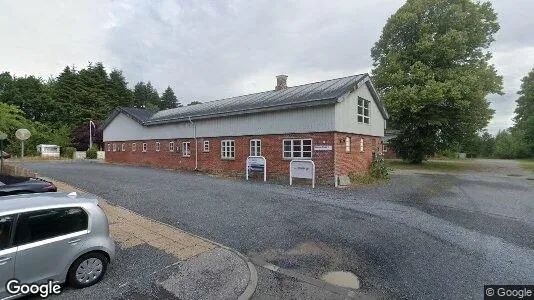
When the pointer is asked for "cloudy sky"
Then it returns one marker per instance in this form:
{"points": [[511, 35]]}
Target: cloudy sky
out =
{"points": [[207, 50]]}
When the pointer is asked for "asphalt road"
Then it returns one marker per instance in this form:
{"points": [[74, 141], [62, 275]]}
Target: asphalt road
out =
{"points": [[420, 236]]}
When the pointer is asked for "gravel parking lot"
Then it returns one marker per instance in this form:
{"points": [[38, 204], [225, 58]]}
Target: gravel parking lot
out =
{"points": [[420, 236]]}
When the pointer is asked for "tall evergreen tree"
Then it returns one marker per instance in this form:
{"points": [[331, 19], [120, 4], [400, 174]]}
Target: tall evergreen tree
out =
{"points": [[169, 100], [118, 91], [433, 72], [146, 96]]}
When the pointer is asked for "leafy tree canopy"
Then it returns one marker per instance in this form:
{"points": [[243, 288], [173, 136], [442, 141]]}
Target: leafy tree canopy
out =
{"points": [[431, 66], [524, 112], [169, 100]]}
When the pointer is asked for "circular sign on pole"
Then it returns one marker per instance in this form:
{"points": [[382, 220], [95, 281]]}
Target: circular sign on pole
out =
{"points": [[22, 134]]}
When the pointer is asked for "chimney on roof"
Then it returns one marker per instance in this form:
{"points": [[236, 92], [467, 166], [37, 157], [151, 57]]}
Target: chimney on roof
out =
{"points": [[281, 82]]}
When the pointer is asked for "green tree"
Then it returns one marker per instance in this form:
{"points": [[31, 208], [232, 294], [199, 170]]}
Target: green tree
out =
{"points": [[146, 96], [510, 144], [431, 67], [118, 91], [168, 100], [524, 112]]}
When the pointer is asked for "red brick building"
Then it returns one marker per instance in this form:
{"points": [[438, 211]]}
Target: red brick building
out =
{"points": [[337, 123]]}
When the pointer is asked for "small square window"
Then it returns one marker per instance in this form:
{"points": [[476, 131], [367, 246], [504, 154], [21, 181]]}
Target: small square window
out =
{"points": [[109, 147], [134, 147], [206, 147], [114, 147], [255, 147], [361, 145], [347, 144], [144, 147], [171, 146], [123, 147], [158, 146], [228, 149], [186, 150]]}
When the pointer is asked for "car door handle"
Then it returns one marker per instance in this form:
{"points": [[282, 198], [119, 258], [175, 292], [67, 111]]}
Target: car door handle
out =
{"points": [[4, 260], [74, 242]]}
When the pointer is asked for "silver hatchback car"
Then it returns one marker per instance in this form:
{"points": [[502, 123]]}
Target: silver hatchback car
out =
{"points": [[53, 237]]}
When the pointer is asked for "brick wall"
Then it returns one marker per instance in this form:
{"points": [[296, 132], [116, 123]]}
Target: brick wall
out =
{"points": [[354, 160], [271, 148]]}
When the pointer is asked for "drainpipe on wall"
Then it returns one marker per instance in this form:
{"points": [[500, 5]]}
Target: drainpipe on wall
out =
{"points": [[196, 144]]}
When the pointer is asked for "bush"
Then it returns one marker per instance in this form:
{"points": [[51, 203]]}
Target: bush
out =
{"points": [[91, 153], [68, 152], [379, 170]]}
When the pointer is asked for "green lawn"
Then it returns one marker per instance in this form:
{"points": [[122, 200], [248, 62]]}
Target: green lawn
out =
{"points": [[527, 164], [434, 165]]}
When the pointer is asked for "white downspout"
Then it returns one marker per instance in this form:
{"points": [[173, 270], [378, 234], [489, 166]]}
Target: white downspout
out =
{"points": [[196, 144]]}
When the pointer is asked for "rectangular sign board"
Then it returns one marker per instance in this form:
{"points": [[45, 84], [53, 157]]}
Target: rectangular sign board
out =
{"points": [[302, 169], [322, 148]]}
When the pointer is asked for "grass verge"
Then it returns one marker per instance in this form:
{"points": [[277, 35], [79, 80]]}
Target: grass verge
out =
{"points": [[527, 165], [434, 165]]}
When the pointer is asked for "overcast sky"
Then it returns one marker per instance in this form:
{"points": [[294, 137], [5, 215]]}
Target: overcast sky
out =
{"points": [[208, 50]]}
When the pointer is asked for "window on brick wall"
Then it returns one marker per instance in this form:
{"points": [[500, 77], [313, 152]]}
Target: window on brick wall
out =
{"points": [[114, 147], [255, 147], [186, 150], [109, 147], [123, 147], [297, 148], [361, 145], [347, 144], [363, 111], [158, 146], [206, 147], [384, 148], [228, 149], [144, 147], [171, 146], [134, 147]]}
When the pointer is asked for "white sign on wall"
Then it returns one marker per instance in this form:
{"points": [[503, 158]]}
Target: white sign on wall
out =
{"points": [[256, 164], [322, 148], [302, 169]]}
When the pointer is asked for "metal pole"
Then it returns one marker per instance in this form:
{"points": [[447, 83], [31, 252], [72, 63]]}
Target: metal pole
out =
{"points": [[22, 155], [1, 155], [90, 135]]}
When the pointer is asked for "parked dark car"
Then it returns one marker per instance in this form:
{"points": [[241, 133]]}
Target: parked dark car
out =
{"points": [[5, 154], [12, 185]]}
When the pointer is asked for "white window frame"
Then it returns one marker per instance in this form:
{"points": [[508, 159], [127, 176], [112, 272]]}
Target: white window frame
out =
{"points": [[228, 149], [363, 111], [347, 144], [206, 146], [109, 147], [171, 146], [186, 149], [361, 145], [158, 146], [292, 144], [255, 147], [123, 147], [114, 147], [145, 147], [134, 147]]}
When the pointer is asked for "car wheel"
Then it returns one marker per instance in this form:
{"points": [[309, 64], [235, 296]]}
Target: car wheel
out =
{"points": [[87, 270]]}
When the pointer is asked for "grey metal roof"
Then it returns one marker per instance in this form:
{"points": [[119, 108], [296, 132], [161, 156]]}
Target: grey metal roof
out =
{"points": [[311, 94]]}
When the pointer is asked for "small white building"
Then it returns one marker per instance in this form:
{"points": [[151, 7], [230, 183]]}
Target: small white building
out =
{"points": [[48, 150]]}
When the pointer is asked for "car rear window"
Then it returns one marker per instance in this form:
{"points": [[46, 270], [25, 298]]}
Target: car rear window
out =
{"points": [[6, 223], [44, 224]]}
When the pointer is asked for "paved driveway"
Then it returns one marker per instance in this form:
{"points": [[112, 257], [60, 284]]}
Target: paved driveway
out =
{"points": [[420, 236]]}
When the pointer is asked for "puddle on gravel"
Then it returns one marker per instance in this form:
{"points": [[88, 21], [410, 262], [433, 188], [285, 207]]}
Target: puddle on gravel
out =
{"points": [[343, 279]]}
